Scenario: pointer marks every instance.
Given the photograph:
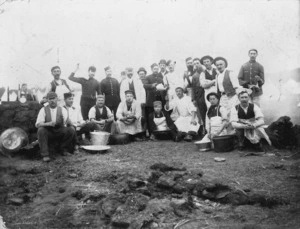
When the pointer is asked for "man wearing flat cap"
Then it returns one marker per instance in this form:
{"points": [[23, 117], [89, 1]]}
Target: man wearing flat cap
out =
{"points": [[110, 87], [155, 89], [208, 77], [252, 76], [129, 115], [51, 124], [134, 84], [142, 74], [163, 67]]}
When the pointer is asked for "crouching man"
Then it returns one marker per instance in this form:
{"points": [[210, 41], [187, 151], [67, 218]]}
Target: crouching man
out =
{"points": [[247, 120], [129, 115], [51, 124], [184, 114], [100, 115], [161, 124]]}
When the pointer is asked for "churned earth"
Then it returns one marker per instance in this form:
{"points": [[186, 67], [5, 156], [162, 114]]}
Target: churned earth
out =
{"points": [[151, 185]]}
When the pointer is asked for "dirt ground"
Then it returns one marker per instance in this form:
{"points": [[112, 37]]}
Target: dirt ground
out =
{"points": [[69, 191]]}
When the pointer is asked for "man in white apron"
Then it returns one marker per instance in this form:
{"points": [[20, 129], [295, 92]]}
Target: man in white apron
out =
{"points": [[184, 114], [216, 118], [248, 121]]}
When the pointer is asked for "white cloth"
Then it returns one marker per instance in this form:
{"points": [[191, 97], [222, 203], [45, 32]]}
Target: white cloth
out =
{"points": [[220, 79], [161, 123], [139, 89], [60, 90], [92, 112], [205, 83], [136, 126], [74, 116], [256, 134], [183, 110], [174, 80], [41, 118], [228, 103]]}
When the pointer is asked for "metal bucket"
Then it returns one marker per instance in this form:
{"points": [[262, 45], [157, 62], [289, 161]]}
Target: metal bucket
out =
{"points": [[223, 143], [203, 146], [99, 137]]}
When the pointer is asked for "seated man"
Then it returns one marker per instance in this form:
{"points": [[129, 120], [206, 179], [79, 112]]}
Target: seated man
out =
{"points": [[247, 119], [51, 124], [129, 116], [25, 94], [216, 118], [100, 115], [161, 123], [184, 114]]}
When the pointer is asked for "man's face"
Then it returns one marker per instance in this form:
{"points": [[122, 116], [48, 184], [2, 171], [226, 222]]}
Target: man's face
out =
{"points": [[244, 98], [24, 87], [213, 100], [162, 67], [129, 74], [142, 74], [69, 101], [197, 64], [189, 63], [220, 64], [52, 102], [100, 102], [108, 73], [179, 92], [252, 54], [56, 73], [129, 97], [171, 67], [157, 109], [207, 63], [155, 69], [92, 74]]}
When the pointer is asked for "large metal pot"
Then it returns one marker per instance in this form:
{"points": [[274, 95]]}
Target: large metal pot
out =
{"points": [[203, 146], [223, 143], [119, 139], [99, 137]]}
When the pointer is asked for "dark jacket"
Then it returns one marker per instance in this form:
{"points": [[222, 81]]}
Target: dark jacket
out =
{"points": [[197, 90], [110, 87], [152, 93], [152, 125]]}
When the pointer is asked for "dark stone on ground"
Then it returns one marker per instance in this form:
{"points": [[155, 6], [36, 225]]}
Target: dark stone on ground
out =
{"points": [[78, 194], [165, 168]]}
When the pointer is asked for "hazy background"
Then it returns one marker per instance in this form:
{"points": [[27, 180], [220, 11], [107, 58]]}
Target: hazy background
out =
{"points": [[38, 34]]}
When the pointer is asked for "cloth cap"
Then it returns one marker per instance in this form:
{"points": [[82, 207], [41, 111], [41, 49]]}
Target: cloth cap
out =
{"points": [[129, 92], [51, 95], [187, 59], [157, 103], [154, 65], [162, 61], [179, 87], [221, 58], [206, 57], [107, 68], [242, 90], [213, 93], [68, 95], [100, 96], [55, 67], [141, 69]]}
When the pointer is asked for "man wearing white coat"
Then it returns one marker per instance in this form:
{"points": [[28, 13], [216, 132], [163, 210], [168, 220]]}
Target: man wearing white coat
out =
{"points": [[184, 114], [133, 84]]}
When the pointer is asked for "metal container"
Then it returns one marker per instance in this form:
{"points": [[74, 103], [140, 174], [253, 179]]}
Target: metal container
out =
{"points": [[99, 137], [203, 146], [119, 139], [93, 149], [223, 143]]}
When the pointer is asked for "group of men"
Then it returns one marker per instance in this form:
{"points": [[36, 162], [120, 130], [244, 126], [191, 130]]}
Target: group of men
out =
{"points": [[205, 100]]}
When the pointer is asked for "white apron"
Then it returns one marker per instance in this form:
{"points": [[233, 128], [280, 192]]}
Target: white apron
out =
{"points": [[60, 91], [133, 128], [184, 124], [161, 123]]}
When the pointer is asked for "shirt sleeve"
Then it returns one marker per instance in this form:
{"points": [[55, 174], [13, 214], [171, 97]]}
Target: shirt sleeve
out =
{"points": [[224, 113], [172, 105], [242, 82], [79, 117], [259, 117], [234, 80], [120, 111], [138, 112], [75, 79], [233, 115], [41, 117], [191, 106], [109, 113], [92, 113], [203, 81], [261, 74], [65, 115]]}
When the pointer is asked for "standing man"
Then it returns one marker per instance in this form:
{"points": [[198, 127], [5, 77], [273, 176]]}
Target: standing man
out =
{"points": [[110, 87], [188, 76], [163, 67], [58, 85], [197, 93], [142, 74], [90, 89], [133, 84], [208, 77], [155, 89], [252, 76], [51, 124]]}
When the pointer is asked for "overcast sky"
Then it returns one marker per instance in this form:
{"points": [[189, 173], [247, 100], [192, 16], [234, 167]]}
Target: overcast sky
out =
{"points": [[38, 34]]}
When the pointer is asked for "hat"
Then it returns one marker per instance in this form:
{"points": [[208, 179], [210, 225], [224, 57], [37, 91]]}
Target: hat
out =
{"points": [[156, 103], [68, 95], [129, 69], [179, 87], [100, 96], [162, 61], [107, 68], [221, 58], [51, 95], [129, 92], [213, 93], [240, 90], [55, 67], [187, 59], [170, 61], [154, 65], [206, 57], [141, 69]]}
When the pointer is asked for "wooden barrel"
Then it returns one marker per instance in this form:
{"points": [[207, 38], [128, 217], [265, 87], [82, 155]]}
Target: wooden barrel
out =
{"points": [[12, 139]]}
